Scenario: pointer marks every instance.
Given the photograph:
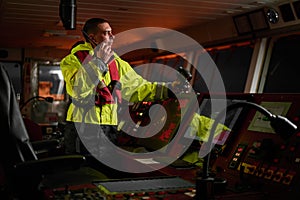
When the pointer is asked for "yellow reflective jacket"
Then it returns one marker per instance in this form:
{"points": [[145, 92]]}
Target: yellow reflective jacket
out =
{"points": [[81, 82], [201, 127]]}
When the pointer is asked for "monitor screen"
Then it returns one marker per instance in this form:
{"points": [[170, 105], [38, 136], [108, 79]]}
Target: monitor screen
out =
{"points": [[207, 115], [51, 82]]}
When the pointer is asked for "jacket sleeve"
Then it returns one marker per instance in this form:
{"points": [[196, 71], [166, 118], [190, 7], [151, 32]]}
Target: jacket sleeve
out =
{"points": [[81, 80], [135, 88]]}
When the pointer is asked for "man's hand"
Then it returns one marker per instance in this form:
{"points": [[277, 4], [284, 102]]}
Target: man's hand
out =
{"points": [[175, 84], [104, 51], [180, 86]]}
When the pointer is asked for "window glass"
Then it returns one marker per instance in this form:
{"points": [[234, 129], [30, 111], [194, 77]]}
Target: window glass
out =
{"points": [[233, 64], [281, 76]]}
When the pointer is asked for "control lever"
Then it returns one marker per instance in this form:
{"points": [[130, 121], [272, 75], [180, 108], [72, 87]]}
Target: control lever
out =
{"points": [[184, 82], [186, 74]]}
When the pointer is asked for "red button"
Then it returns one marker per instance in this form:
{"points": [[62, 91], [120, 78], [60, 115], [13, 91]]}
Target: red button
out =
{"points": [[292, 148]]}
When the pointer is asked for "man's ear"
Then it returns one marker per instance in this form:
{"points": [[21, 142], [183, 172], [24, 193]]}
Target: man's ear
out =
{"points": [[92, 40], [91, 36]]}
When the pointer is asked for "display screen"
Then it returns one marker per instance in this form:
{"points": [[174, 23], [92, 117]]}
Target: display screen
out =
{"points": [[51, 82], [207, 116]]}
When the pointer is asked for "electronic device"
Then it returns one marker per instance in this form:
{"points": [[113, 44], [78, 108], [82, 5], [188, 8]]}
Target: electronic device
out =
{"points": [[260, 161]]}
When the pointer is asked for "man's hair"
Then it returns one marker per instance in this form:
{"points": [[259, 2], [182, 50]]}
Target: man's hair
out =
{"points": [[90, 26]]}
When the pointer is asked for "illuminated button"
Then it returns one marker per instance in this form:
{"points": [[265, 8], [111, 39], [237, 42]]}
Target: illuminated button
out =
{"points": [[287, 180], [269, 172], [296, 119], [260, 172], [141, 194], [277, 177], [251, 151], [240, 149], [282, 147], [151, 193], [257, 144], [292, 148], [118, 196], [251, 169]]}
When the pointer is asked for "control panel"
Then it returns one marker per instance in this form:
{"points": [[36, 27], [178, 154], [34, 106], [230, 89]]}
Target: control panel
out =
{"points": [[162, 188], [261, 160], [255, 161]]}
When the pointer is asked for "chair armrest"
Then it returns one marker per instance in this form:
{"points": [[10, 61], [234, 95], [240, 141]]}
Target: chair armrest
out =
{"points": [[50, 164]]}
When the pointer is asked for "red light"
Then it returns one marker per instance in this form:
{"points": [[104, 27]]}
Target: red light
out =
{"points": [[282, 147], [240, 149], [292, 148]]}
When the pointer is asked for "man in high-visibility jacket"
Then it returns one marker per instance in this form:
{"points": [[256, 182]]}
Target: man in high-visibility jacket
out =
{"points": [[94, 76]]}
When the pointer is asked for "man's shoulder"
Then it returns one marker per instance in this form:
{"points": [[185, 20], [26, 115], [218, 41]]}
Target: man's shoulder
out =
{"points": [[81, 46]]}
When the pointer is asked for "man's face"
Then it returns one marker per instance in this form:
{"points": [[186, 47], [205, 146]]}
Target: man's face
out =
{"points": [[104, 33]]}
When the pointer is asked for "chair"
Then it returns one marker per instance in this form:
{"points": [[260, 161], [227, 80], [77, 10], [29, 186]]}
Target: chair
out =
{"points": [[23, 174], [52, 145]]}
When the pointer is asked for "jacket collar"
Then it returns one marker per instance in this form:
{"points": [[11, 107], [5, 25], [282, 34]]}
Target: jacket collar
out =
{"points": [[82, 47]]}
